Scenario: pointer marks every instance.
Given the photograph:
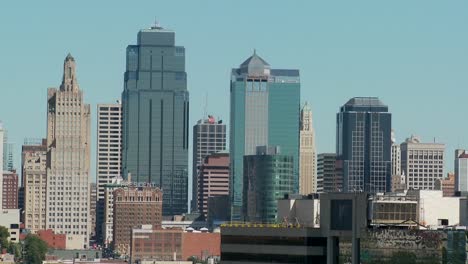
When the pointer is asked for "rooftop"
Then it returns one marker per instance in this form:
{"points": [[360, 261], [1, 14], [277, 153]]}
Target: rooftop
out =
{"points": [[365, 101]]}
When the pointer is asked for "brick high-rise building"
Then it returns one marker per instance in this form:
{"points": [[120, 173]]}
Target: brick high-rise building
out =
{"points": [[109, 156], [10, 190], [134, 206], [213, 179], [68, 158], [447, 185], [34, 166], [209, 136]]}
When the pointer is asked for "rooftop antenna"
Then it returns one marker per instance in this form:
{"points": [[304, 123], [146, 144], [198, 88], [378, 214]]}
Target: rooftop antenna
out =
{"points": [[156, 24]]}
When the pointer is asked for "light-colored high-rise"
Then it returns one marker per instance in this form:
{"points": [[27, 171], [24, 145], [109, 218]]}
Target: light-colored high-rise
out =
{"points": [[68, 147], [396, 156], [33, 163], [1, 159], [307, 154], [109, 155], [209, 136], [461, 171], [422, 163]]}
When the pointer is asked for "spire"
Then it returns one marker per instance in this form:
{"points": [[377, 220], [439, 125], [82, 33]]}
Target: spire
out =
{"points": [[69, 82]]}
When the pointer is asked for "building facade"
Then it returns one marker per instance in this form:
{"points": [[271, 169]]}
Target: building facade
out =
{"points": [[364, 145], [268, 176], [68, 158], [209, 136], [155, 105], [108, 223], [328, 179], [396, 156], [461, 171], [265, 105], [134, 206], [92, 209], [213, 179], [34, 171], [10, 190], [422, 163], [109, 154], [8, 153], [447, 185], [307, 155]]}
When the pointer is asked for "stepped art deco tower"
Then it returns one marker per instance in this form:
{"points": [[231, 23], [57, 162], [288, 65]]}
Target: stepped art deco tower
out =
{"points": [[307, 155], [68, 149], [155, 104]]}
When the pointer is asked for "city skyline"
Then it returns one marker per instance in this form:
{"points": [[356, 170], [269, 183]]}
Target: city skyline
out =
{"points": [[442, 71]]}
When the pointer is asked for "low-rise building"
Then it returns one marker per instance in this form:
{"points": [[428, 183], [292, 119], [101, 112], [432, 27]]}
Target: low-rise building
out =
{"points": [[55, 241], [11, 220]]}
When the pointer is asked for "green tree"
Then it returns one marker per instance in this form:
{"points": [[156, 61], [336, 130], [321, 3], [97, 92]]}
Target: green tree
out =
{"points": [[403, 257], [15, 249], [4, 234], [35, 249]]}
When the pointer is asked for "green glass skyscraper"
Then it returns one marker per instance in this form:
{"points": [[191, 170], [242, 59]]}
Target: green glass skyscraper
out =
{"points": [[265, 105], [155, 105]]}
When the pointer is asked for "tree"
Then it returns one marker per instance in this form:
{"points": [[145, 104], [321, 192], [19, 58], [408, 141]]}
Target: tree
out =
{"points": [[35, 249], [4, 234], [15, 249]]}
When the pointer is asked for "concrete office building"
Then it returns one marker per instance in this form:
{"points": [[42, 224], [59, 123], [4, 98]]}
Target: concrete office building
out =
{"points": [[422, 163], [34, 171], [68, 147], [8, 153], [209, 136], [327, 177], [10, 190], [364, 145], [108, 220], [307, 154], [109, 155], [155, 105], [461, 171], [213, 179], [134, 206], [265, 105], [268, 176]]}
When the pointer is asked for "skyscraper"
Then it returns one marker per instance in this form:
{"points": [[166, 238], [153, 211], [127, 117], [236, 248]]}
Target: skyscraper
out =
{"points": [[209, 137], [265, 106], [396, 156], [422, 163], [461, 171], [68, 146], [364, 145], [155, 105], [109, 155], [34, 166], [8, 150], [307, 157]]}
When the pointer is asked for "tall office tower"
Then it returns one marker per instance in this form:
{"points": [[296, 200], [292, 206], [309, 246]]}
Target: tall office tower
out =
{"points": [[268, 176], [109, 155], [396, 156], [461, 171], [2, 131], [8, 151], [209, 137], [307, 156], [364, 145], [34, 166], [134, 206], [213, 179], [422, 163], [328, 178], [68, 146], [155, 105], [10, 190], [92, 209], [265, 105]]}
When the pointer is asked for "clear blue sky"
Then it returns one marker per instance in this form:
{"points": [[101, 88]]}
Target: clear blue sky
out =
{"points": [[411, 54]]}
